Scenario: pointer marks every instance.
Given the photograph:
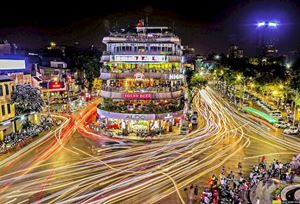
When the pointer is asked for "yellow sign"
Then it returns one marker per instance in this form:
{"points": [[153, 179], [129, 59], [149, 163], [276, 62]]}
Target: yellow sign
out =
{"points": [[276, 202]]}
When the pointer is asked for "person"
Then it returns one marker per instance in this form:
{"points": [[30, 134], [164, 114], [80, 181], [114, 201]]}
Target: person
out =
{"points": [[215, 197], [191, 194], [195, 193]]}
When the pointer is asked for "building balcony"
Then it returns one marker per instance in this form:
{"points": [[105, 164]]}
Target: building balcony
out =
{"points": [[140, 95], [141, 53], [119, 58]]}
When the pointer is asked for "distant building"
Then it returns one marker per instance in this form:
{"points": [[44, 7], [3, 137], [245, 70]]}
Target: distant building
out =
{"points": [[235, 52], [270, 51], [7, 48]]}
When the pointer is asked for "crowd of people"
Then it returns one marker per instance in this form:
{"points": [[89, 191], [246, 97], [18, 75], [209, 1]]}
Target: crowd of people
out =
{"points": [[24, 136], [234, 187]]}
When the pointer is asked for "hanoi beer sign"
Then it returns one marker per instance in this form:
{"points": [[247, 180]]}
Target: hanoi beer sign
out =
{"points": [[139, 96], [139, 58]]}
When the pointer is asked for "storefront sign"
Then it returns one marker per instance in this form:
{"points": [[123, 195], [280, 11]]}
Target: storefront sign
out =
{"points": [[175, 76], [139, 58], [137, 96], [56, 85], [125, 116]]}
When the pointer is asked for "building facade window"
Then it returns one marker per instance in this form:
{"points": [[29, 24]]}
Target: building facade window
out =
{"points": [[8, 109], [1, 90], [6, 89], [3, 110]]}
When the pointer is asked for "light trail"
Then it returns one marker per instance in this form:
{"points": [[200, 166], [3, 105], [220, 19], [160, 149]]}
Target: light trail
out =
{"points": [[143, 173]]}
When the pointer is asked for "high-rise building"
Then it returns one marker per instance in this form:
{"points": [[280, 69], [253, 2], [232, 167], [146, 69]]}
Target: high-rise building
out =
{"points": [[235, 52], [267, 38], [142, 80]]}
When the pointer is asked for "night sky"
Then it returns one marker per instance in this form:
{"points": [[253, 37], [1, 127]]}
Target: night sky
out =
{"points": [[209, 25]]}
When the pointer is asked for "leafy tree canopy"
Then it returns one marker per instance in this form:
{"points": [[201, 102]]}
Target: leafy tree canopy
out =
{"points": [[27, 99]]}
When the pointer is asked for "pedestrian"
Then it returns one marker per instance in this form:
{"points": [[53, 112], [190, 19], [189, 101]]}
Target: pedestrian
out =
{"points": [[215, 197], [191, 194], [195, 193]]}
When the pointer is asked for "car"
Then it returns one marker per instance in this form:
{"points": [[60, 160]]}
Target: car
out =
{"points": [[194, 120], [184, 130], [276, 113], [281, 124], [116, 144], [293, 130]]}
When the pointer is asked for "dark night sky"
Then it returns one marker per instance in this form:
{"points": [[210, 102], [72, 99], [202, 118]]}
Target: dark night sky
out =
{"points": [[209, 25]]}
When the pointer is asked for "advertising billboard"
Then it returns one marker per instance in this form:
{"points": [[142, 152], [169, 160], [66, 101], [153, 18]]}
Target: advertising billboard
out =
{"points": [[137, 96], [139, 58], [12, 64]]}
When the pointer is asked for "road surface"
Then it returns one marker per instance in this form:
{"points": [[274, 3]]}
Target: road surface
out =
{"points": [[142, 173]]}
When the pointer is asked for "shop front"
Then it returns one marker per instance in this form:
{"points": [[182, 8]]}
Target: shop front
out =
{"points": [[139, 124]]}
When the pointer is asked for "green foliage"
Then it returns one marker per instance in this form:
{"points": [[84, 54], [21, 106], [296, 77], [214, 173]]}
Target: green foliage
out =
{"points": [[87, 64], [27, 99], [197, 81]]}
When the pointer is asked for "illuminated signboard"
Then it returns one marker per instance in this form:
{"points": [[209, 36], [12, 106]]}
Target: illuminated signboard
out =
{"points": [[176, 76], [139, 58], [11, 64], [137, 96], [56, 85]]}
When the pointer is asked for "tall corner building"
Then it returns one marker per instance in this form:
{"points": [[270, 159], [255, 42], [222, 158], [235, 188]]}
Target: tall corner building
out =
{"points": [[142, 80]]}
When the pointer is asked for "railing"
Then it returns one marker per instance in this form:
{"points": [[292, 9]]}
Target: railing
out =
{"points": [[140, 53], [128, 74], [145, 89]]}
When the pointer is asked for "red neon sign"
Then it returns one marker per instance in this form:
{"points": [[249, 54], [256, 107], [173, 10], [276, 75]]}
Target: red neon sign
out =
{"points": [[56, 85], [137, 95]]}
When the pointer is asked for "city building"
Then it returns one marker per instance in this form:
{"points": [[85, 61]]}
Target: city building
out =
{"points": [[7, 123], [235, 52], [16, 68], [58, 87], [7, 48], [267, 38], [142, 80]]}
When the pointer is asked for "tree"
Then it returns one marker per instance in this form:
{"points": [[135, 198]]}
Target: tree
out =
{"points": [[197, 82], [91, 67], [86, 62], [27, 99]]}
